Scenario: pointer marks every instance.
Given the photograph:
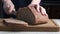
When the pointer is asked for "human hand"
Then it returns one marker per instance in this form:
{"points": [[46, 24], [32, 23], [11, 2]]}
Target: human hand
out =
{"points": [[8, 6], [40, 9]]}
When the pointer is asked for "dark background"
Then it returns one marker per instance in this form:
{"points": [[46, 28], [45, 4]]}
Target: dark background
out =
{"points": [[52, 7]]}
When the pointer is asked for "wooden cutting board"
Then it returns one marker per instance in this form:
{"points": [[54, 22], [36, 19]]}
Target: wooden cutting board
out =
{"points": [[51, 26]]}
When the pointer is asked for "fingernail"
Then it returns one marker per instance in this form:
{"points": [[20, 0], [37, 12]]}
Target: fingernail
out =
{"points": [[44, 14]]}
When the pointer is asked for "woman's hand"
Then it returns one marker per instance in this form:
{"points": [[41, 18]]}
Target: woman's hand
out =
{"points": [[8, 6], [40, 9]]}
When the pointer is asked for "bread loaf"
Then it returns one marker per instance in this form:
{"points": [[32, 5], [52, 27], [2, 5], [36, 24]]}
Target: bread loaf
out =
{"points": [[30, 15]]}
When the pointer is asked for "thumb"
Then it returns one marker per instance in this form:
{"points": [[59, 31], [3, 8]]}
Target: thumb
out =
{"points": [[12, 9], [38, 8]]}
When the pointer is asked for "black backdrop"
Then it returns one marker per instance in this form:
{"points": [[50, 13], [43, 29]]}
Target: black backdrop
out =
{"points": [[52, 7]]}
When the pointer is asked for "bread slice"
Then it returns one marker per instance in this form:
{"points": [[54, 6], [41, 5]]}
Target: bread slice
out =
{"points": [[15, 23]]}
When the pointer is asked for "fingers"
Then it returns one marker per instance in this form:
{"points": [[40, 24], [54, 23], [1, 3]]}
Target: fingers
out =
{"points": [[38, 8], [11, 9], [8, 7], [41, 10], [35, 4]]}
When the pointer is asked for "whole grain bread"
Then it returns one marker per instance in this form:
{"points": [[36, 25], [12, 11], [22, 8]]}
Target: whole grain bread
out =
{"points": [[30, 15]]}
